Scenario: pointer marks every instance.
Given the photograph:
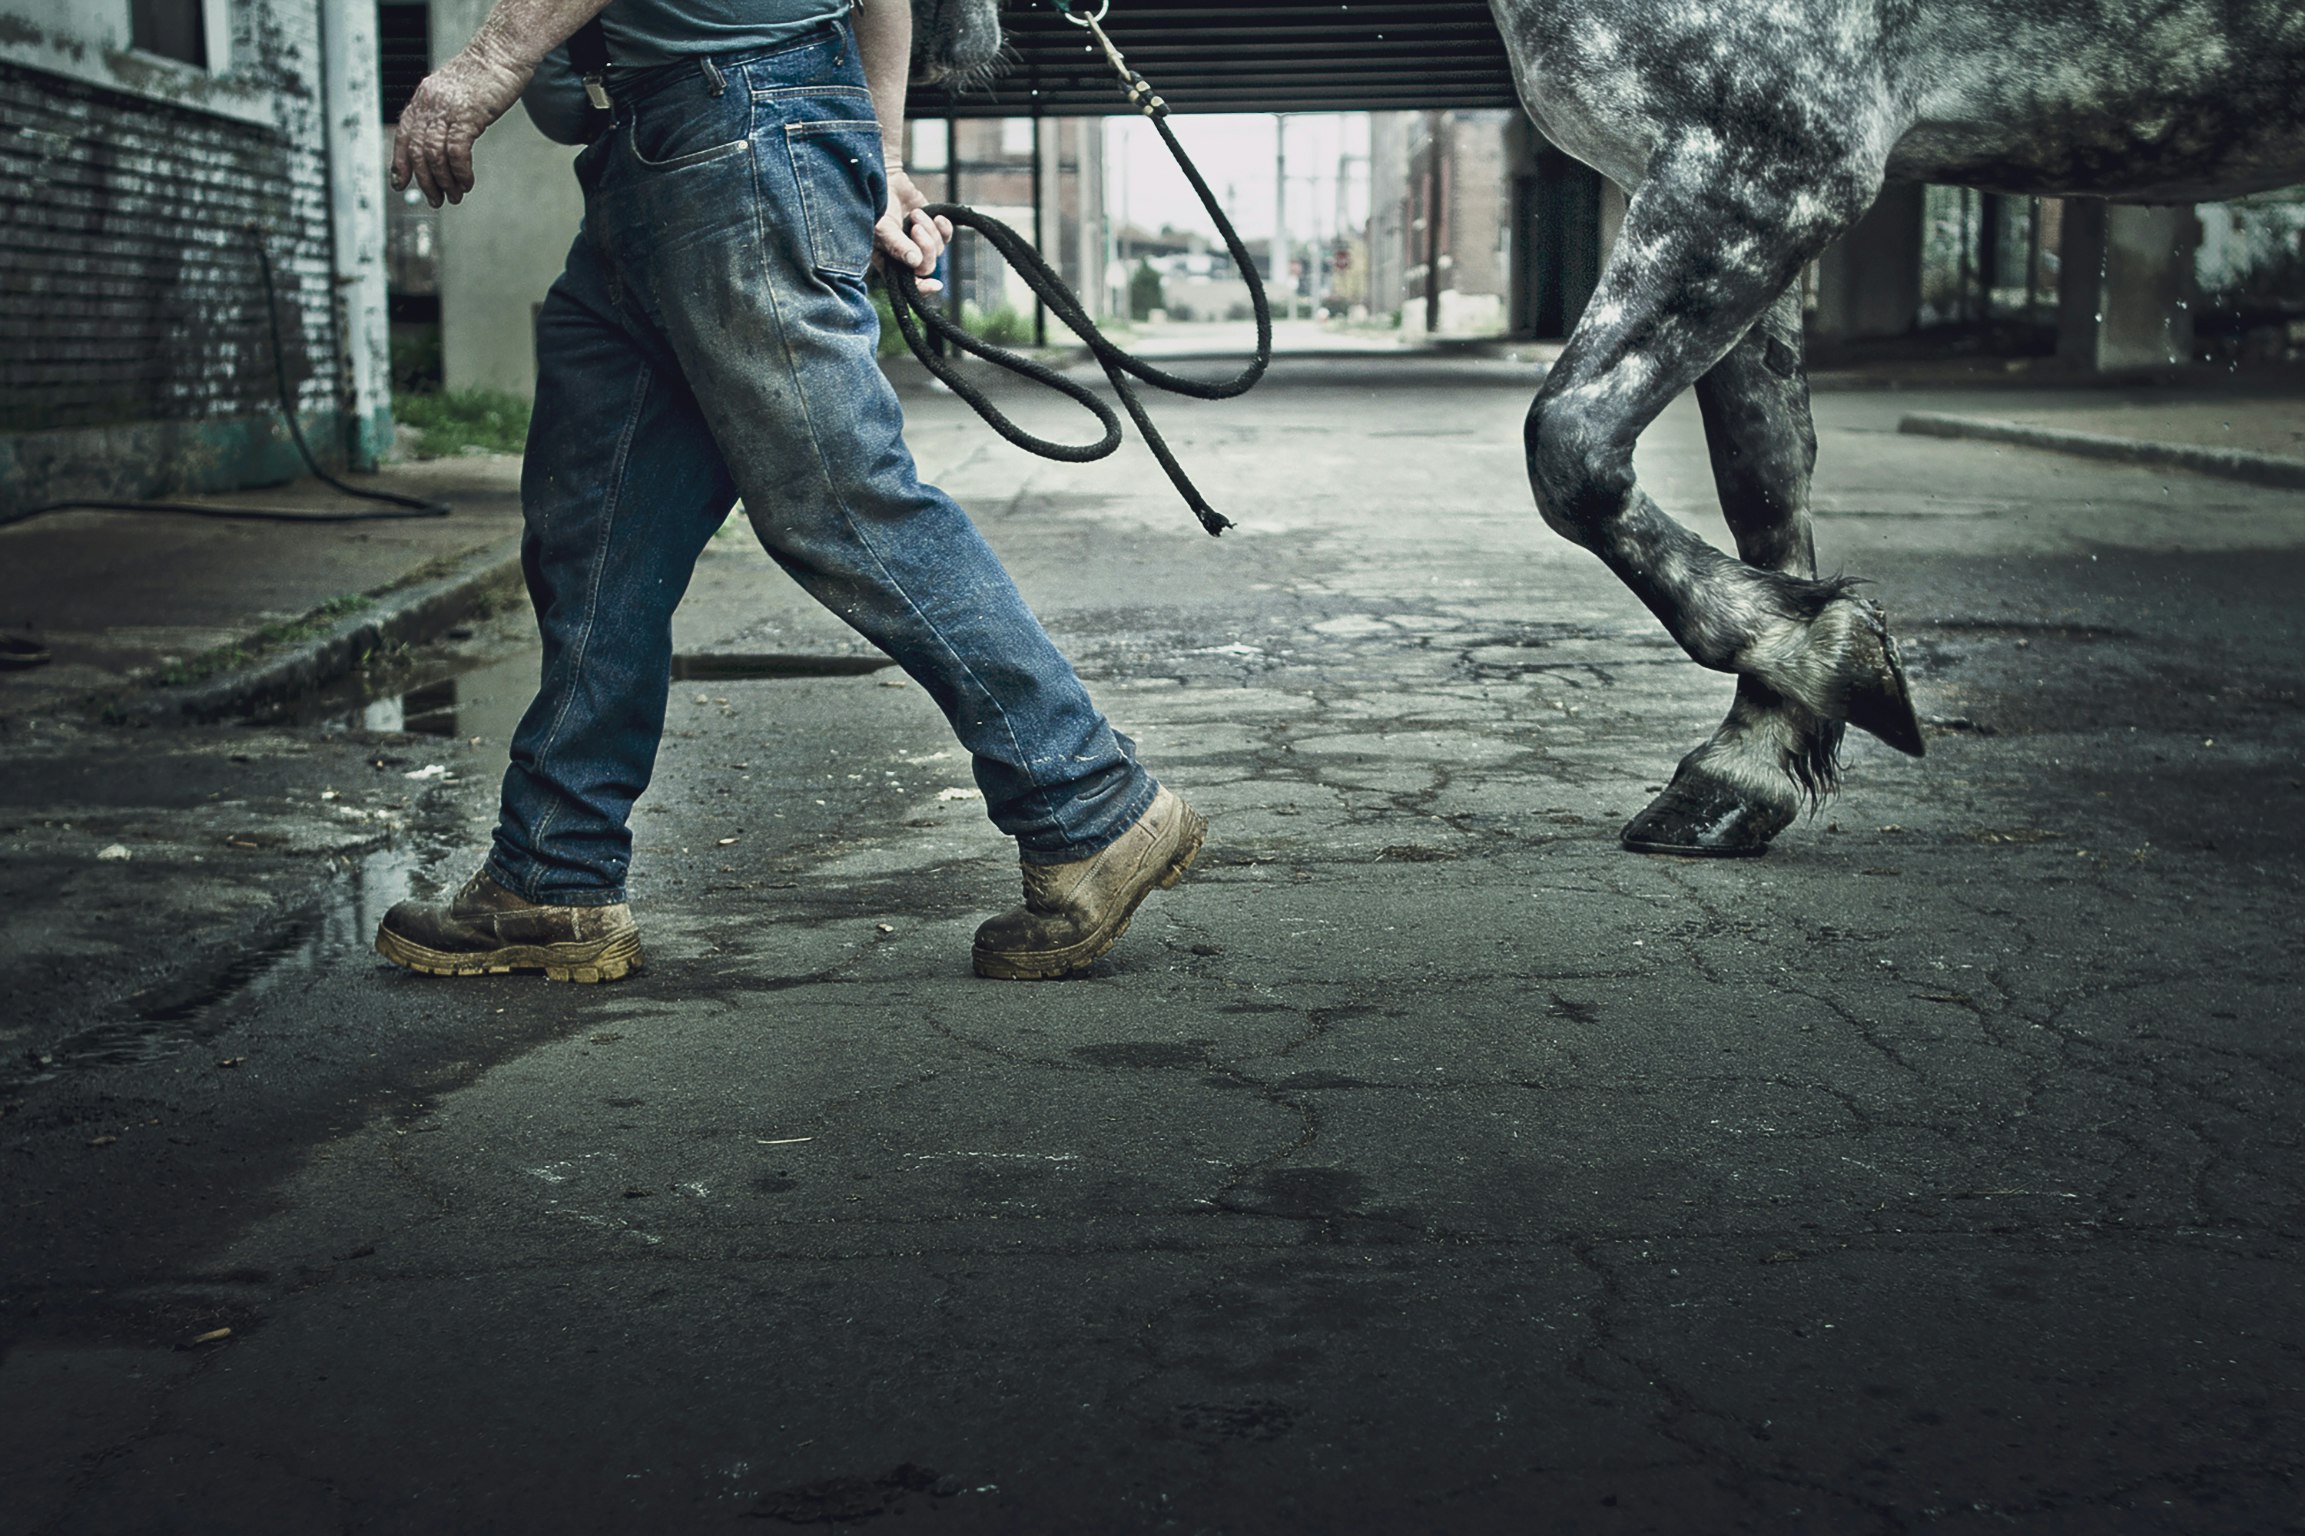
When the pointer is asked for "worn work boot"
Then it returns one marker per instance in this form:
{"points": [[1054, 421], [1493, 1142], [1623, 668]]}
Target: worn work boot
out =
{"points": [[485, 929], [1073, 913]]}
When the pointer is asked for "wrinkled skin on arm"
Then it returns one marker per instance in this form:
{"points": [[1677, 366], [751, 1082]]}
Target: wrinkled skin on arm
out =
{"points": [[453, 106]]}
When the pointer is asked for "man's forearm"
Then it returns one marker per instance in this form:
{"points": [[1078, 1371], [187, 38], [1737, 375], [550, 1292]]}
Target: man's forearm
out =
{"points": [[453, 106], [884, 43], [518, 33]]}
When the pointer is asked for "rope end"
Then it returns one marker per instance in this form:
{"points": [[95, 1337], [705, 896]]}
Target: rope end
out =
{"points": [[1213, 521]]}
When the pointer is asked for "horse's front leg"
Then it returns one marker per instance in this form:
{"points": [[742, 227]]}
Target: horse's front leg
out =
{"points": [[1707, 246], [1747, 783]]}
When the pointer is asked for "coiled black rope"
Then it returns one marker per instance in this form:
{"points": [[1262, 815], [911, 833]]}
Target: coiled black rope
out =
{"points": [[410, 506], [915, 319]]}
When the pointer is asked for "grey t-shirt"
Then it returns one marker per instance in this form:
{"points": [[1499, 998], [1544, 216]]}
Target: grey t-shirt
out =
{"points": [[645, 33]]}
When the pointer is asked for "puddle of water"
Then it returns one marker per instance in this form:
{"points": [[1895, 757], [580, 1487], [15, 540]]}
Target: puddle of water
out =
{"points": [[157, 1025], [484, 700]]}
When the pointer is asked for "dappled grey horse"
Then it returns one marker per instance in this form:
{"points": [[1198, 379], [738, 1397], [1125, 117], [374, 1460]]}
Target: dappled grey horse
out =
{"points": [[1751, 134]]}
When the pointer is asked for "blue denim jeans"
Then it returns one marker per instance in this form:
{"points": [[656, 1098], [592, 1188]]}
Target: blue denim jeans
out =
{"points": [[712, 338]]}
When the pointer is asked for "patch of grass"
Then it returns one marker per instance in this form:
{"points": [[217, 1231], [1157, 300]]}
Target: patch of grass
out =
{"points": [[452, 420], [1003, 327], [241, 653]]}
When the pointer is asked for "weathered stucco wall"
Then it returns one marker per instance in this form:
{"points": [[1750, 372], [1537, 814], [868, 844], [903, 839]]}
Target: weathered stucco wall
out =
{"points": [[500, 248]]}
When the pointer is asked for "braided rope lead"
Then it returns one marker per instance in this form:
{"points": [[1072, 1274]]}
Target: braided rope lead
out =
{"points": [[916, 319]]}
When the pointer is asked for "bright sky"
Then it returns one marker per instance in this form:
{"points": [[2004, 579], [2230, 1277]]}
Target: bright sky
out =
{"points": [[1235, 154]]}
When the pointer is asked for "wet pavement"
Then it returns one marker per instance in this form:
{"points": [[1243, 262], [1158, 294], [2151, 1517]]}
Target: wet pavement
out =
{"points": [[122, 599], [1424, 1162]]}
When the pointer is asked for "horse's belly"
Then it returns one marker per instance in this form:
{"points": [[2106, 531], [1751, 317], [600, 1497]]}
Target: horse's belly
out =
{"points": [[2183, 102], [2140, 160]]}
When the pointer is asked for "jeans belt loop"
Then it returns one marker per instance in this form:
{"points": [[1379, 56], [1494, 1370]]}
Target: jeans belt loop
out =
{"points": [[714, 79]]}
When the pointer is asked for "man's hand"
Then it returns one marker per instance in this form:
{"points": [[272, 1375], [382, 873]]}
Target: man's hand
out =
{"points": [[433, 145], [907, 236]]}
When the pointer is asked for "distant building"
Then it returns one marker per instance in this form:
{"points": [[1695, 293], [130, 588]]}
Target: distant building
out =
{"points": [[1444, 218], [1477, 227], [153, 147]]}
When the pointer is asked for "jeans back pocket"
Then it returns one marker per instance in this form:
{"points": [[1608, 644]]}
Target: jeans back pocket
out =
{"points": [[843, 189]]}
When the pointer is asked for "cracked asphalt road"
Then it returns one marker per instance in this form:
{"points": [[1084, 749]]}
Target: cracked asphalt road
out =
{"points": [[1423, 1163]]}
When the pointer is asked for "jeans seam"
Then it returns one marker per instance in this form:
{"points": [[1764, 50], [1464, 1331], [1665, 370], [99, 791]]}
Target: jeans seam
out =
{"points": [[1140, 803], [523, 882], [612, 504], [824, 467]]}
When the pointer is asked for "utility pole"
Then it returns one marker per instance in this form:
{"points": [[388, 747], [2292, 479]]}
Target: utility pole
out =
{"points": [[1123, 143], [952, 285], [1039, 225], [1434, 122], [1346, 160], [1279, 259]]}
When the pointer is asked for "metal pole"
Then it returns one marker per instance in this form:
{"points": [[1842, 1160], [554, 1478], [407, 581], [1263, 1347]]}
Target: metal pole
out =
{"points": [[952, 283], [1090, 225], [1989, 221], [1432, 224], [2033, 262], [1279, 260], [1039, 227], [1967, 267]]}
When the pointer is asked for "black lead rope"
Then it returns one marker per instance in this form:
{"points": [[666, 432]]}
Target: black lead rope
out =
{"points": [[916, 319]]}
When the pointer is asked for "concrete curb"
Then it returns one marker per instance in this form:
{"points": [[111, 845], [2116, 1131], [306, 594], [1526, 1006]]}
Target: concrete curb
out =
{"points": [[2228, 463], [406, 614]]}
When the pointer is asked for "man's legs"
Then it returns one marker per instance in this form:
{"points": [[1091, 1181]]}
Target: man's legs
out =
{"points": [[741, 270], [814, 435], [621, 486], [753, 267], [751, 256]]}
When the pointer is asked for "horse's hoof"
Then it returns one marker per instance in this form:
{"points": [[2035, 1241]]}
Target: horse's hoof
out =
{"points": [[1878, 700], [1704, 817]]}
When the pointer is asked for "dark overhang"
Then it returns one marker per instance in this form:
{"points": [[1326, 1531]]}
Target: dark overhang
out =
{"points": [[1246, 56]]}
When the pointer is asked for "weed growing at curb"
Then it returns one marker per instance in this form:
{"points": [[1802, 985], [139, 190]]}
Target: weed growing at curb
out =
{"points": [[243, 652]]}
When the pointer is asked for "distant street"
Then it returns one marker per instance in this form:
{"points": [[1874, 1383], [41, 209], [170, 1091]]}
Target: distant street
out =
{"points": [[1424, 1163]]}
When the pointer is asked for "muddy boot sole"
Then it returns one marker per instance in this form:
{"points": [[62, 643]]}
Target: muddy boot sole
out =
{"points": [[1056, 964], [612, 961]]}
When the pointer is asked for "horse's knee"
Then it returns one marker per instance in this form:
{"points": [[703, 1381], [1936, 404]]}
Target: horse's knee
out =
{"points": [[1581, 478]]}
